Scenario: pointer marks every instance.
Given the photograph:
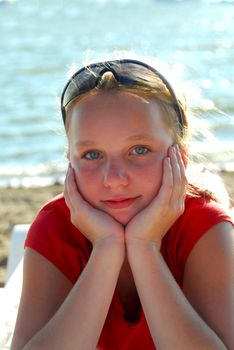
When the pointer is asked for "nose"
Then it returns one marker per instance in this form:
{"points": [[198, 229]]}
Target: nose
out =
{"points": [[115, 174]]}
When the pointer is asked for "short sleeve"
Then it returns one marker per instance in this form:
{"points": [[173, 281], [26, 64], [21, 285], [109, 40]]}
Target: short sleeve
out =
{"points": [[199, 216], [53, 236]]}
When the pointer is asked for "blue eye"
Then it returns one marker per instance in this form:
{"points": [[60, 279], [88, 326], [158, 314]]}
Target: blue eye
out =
{"points": [[140, 150], [92, 155]]}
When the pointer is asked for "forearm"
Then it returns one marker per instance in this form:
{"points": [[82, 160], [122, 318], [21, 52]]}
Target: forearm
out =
{"points": [[79, 321], [173, 323]]}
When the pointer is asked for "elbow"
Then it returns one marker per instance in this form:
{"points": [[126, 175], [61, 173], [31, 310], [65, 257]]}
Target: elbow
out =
{"points": [[29, 345]]}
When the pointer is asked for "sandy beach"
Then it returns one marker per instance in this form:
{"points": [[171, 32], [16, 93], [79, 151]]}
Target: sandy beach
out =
{"points": [[19, 206]]}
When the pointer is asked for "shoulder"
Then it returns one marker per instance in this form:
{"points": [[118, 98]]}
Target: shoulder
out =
{"points": [[206, 211], [200, 215], [53, 236], [55, 206], [208, 279], [54, 215], [53, 222]]}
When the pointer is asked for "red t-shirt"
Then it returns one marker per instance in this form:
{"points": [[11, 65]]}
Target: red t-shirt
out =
{"points": [[53, 236]]}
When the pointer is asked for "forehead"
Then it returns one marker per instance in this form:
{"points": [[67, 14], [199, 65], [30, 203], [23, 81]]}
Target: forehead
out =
{"points": [[113, 101], [117, 110], [105, 97]]}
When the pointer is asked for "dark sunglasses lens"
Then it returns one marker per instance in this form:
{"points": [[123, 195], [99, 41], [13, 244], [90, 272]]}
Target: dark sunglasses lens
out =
{"points": [[82, 82], [86, 79]]}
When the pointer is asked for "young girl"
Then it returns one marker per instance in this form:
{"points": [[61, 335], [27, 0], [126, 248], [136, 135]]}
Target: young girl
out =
{"points": [[131, 256]]}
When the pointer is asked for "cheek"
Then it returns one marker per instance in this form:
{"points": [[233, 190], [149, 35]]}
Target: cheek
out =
{"points": [[149, 177], [87, 181]]}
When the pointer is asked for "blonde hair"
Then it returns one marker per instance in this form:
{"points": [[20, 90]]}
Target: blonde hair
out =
{"points": [[150, 87]]}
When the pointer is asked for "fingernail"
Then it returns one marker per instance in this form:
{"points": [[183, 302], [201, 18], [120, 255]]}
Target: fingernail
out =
{"points": [[176, 148]]}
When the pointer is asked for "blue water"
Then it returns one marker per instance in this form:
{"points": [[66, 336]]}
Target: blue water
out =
{"points": [[40, 40]]}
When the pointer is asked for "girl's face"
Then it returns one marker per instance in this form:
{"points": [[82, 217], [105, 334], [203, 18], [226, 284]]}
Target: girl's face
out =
{"points": [[118, 141]]}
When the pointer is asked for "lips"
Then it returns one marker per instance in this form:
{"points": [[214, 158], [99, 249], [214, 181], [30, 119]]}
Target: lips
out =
{"points": [[120, 203]]}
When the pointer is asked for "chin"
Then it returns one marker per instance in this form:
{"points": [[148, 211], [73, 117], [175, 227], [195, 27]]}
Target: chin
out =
{"points": [[123, 219]]}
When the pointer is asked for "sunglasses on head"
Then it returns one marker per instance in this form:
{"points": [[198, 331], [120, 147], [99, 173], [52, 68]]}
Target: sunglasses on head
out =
{"points": [[125, 71]]}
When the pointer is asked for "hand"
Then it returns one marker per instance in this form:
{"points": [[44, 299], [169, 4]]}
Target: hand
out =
{"points": [[152, 223], [96, 225]]}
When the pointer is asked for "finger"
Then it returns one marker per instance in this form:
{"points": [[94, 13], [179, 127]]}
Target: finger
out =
{"points": [[73, 193], [178, 196], [67, 189], [166, 188], [176, 172], [184, 181], [65, 185], [183, 178], [73, 196]]}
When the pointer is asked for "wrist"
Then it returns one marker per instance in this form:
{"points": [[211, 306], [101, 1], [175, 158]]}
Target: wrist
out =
{"points": [[110, 245], [142, 254], [137, 245]]}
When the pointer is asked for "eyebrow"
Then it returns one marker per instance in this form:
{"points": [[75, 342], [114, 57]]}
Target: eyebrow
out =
{"points": [[84, 143], [138, 137], [141, 137]]}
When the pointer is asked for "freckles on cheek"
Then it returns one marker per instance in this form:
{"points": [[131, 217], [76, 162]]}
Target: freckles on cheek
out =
{"points": [[152, 168], [151, 175], [152, 178], [86, 180], [83, 175]]}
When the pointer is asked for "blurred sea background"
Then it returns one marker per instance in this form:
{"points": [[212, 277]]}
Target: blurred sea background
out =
{"points": [[40, 40]]}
